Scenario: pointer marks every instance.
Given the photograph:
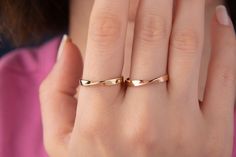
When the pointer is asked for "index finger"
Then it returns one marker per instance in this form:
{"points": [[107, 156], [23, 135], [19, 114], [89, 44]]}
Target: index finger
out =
{"points": [[103, 60], [104, 54]]}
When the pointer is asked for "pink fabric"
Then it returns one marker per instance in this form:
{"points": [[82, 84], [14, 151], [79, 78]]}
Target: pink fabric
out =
{"points": [[21, 73]]}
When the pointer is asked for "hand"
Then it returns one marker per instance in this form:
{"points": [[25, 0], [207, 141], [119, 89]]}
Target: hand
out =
{"points": [[156, 120]]}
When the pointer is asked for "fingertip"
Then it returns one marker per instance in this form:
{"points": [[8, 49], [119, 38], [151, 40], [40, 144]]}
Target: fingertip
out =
{"points": [[222, 16], [68, 51], [223, 20], [64, 41], [69, 62], [223, 33]]}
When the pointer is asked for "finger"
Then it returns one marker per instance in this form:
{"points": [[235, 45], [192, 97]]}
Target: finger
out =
{"points": [[186, 46], [104, 55], [220, 93], [151, 40], [104, 58], [56, 95]]}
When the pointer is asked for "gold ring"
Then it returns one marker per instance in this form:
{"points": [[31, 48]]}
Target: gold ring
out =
{"points": [[137, 83], [109, 82]]}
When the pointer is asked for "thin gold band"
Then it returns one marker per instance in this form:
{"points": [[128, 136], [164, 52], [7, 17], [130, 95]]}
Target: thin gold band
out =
{"points": [[109, 82], [137, 83]]}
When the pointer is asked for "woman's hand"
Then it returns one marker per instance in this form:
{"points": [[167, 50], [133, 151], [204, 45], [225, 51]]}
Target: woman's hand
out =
{"points": [[156, 120]]}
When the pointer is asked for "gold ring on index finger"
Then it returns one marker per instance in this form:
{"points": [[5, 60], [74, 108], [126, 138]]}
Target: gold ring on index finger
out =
{"points": [[108, 82]]}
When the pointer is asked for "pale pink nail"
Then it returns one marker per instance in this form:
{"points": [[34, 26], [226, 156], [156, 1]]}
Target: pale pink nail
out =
{"points": [[62, 45], [222, 15]]}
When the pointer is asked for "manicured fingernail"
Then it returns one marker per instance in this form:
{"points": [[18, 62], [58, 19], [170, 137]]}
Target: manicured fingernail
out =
{"points": [[222, 15], [64, 40]]}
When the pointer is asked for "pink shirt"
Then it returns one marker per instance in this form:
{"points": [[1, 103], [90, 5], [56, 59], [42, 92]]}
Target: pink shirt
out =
{"points": [[21, 73]]}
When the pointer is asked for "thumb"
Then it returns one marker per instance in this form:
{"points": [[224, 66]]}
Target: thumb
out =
{"points": [[58, 104]]}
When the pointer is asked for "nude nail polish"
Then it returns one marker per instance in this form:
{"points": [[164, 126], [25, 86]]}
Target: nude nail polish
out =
{"points": [[62, 45], [222, 15]]}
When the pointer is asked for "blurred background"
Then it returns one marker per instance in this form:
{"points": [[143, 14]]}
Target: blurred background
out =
{"points": [[5, 46]]}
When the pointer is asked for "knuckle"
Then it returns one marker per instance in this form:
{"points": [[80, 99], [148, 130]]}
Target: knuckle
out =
{"points": [[179, 141], [152, 28], [91, 130], [185, 41], [231, 44], [227, 75], [105, 28], [143, 136]]}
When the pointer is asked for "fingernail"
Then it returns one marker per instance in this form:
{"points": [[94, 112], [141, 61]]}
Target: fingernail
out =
{"points": [[222, 15], [64, 40]]}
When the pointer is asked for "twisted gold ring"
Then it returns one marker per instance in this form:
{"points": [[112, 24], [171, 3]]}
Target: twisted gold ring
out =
{"points": [[109, 82], [137, 83]]}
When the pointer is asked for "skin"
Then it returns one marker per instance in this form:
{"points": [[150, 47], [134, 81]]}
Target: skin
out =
{"points": [[156, 120], [79, 24]]}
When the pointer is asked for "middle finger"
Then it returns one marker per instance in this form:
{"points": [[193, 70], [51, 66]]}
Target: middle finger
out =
{"points": [[151, 40]]}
